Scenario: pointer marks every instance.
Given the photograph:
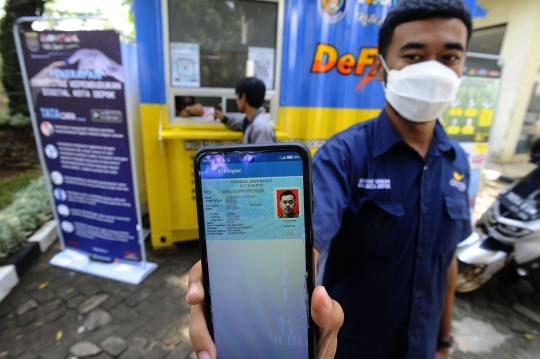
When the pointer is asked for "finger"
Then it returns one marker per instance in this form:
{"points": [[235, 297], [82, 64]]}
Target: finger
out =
{"points": [[328, 315], [195, 293], [198, 334], [326, 312]]}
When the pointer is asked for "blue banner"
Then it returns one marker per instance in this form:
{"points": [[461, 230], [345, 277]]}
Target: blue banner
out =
{"points": [[328, 50], [77, 85]]}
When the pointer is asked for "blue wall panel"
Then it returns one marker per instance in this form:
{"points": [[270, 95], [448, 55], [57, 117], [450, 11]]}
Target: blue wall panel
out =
{"points": [[148, 25]]}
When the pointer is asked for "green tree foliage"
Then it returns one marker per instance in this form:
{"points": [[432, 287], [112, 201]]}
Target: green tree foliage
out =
{"points": [[11, 72], [28, 211]]}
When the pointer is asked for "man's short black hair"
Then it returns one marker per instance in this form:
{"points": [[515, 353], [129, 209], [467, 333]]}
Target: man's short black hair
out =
{"points": [[254, 90], [181, 102], [287, 193], [413, 10]]}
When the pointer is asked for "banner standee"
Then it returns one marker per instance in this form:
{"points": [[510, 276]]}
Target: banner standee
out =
{"points": [[81, 103]]}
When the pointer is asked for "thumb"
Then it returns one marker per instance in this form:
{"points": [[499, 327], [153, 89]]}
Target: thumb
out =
{"points": [[326, 312], [328, 315]]}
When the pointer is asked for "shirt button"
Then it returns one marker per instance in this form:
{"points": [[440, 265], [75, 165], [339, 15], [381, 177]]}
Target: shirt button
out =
{"points": [[418, 294], [424, 209], [421, 254], [425, 168]]}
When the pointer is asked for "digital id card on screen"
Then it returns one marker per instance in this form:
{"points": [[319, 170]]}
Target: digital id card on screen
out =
{"points": [[254, 223]]}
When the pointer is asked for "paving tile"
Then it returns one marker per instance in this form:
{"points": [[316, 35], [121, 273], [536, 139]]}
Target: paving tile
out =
{"points": [[6, 308], [130, 326], [519, 325], [67, 292], [75, 301], [28, 356], [122, 312], [479, 299], [114, 345], [26, 318], [159, 294], [92, 302], [54, 352], [182, 351], [89, 290], [114, 300], [527, 312], [149, 309], [157, 353], [131, 353], [44, 295], [102, 355], [139, 296]]}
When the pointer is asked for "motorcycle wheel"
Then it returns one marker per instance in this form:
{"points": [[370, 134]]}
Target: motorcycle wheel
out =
{"points": [[468, 279]]}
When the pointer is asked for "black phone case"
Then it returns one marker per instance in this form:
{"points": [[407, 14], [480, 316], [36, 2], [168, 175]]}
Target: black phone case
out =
{"points": [[308, 211]]}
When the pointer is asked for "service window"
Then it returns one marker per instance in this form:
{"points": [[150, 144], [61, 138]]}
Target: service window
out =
{"points": [[215, 43]]}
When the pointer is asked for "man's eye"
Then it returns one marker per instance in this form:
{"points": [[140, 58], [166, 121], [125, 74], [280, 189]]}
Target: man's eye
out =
{"points": [[450, 58], [413, 57]]}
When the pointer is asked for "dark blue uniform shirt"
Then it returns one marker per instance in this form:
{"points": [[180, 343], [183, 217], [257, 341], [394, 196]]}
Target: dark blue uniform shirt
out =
{"points": [[387, 223]]}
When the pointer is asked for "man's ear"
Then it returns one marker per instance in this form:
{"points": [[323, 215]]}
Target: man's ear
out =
{"points": [[380, 73]]}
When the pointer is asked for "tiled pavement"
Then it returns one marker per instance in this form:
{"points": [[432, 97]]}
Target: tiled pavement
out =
{"points": [[52, 309], [145, 321]]}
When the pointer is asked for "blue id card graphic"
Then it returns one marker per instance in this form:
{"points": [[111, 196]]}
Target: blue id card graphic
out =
{"points": [[255, 241]]}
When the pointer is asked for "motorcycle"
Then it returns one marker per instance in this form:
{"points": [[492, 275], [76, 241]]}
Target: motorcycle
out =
{"points": [[506, 240]]}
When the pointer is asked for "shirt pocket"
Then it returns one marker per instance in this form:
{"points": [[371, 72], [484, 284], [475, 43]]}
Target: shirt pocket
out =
{"points": [[456, 218], [375, 225]]}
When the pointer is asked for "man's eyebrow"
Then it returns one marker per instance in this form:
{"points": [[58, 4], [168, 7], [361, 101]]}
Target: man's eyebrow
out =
{"points": [[454, 46], [420, 46], [413, 45]]}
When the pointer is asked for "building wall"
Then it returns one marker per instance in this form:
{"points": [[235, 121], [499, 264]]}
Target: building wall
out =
{"points": [[521, 55]]}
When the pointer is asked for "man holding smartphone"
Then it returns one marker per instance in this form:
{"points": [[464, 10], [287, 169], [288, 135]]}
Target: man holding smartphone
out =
{"points": [[390, 202], [390, 194]]}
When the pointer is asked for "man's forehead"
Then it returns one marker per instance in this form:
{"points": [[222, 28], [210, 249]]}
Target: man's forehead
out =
{"points": [[434, 31]]}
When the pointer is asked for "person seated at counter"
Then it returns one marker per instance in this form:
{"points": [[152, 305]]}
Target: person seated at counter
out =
{"points": [[255, 126], [186, 106]]}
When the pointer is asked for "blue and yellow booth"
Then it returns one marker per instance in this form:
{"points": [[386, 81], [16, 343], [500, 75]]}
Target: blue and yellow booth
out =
{"points": [[314, 56]]}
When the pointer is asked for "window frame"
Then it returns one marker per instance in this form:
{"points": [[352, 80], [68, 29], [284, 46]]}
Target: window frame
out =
{"points": [[224, 93]]}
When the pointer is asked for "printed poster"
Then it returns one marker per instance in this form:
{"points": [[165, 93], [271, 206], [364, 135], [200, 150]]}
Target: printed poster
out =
{"points": [[262, 60], [77, 84], [185, 65], [470, 117]]}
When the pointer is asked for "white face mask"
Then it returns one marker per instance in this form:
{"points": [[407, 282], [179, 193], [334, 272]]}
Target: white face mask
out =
{"points": [[421, 92]]}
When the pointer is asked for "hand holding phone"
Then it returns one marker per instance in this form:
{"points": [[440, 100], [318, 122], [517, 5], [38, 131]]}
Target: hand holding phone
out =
{"points": [[254, 207], [326, 313]]}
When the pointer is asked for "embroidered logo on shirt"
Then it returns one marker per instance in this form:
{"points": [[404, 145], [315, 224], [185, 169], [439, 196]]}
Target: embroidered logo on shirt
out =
{"points": [[457, 182], [458, 177], [374, 183]]}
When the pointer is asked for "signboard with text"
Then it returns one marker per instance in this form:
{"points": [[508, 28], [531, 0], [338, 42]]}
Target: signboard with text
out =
{"points": [[470, 117], [328, 81], [77, 86]]}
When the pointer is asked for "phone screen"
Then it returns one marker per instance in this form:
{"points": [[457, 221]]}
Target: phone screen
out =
{"points": [[255, 238]]}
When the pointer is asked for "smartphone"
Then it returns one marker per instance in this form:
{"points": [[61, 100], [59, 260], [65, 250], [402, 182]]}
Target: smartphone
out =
{"points": [[254, 206]]}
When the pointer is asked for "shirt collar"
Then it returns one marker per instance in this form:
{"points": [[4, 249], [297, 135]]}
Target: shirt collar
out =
{"points": [[441, 142], [257, 113], [386, 136]]}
